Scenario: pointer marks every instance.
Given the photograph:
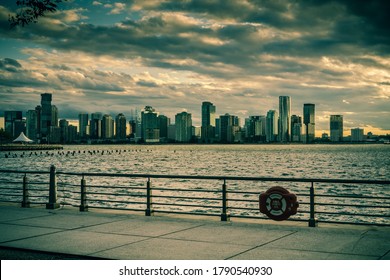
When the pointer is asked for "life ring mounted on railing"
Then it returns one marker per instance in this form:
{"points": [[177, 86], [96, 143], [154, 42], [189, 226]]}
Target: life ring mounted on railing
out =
{"points": [[278, 203]]}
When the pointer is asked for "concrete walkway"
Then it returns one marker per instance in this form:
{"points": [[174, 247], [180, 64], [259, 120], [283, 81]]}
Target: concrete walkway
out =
{"points": [[126, 236]]}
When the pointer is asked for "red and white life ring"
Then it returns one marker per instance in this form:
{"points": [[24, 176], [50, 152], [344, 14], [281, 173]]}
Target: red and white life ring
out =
{"points": [[278, 203]]}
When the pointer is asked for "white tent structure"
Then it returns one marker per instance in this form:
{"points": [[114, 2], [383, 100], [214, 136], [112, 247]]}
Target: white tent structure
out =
{"points": [[22, 139]]}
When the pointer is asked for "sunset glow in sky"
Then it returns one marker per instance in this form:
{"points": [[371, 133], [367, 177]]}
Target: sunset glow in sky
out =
{"points": [[241, 55]]}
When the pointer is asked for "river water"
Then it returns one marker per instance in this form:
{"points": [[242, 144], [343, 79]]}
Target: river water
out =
{"points": [[288, 161]]}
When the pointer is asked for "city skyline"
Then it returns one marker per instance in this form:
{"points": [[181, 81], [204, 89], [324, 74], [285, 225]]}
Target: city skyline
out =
{"points": [[112, 57]]}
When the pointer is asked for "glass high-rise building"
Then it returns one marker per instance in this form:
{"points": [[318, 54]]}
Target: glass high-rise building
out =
{"points": [[271, 126], [336, 128], [95, 126], [296, 128], [309, 121], [284, 119], [107, 127], [46, 114], [149, 125], [11, 118], [32, 125], [208, 122], [183, 122], [120, 127], [83, 125]]}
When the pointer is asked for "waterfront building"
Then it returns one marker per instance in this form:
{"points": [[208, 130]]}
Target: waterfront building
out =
{"points": [[120, 127], [38, 109], [132, 128], [229, 128], [256, 129], [32, 125], [72, 134], [107, 127], [54, 136], [196, 132], [208, 122], [83, 125], [95, 126], [46, 115], [183, 122], [12, 121], [54, 115], [336, 128], [357, 134], [172, 132], [284, 119], [271, 126], [64, 124], [163, 123], [149, 124], [296, 128], [309, 121]]}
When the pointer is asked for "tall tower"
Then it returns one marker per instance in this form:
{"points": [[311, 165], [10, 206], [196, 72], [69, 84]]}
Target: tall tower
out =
{"points": [[95, 125], [83, 125], [32, 124], [336, 128], [107, 127], [183, 122], [149, 125], [46, 114], [309, 121], [120, 127], [284, 119], [271, 126], [208, 121]]}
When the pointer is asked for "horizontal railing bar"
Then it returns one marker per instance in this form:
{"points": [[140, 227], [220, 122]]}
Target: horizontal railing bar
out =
{"points": [[353, 214], [353, 205], [188, 197], [116, 208], [187, 190], [115, 201], [115, 187], [116, 194], [351, 196], [187, 205], [23, 172]]}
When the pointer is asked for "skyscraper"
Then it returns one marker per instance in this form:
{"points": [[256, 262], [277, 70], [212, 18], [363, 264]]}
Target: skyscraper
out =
{"points": [[208, 122], [107, 127], [163, 123], [149, 125], [120, 127], [46, 114], [10, 121], [183, 122], [296, 128], [32, 125], [271, 127], [357, 134], [256, 129], [336, 128], [95, 125], [284, 119], [83, 125], [309, 121]]}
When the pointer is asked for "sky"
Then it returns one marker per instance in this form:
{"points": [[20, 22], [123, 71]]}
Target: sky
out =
{"points": [[241, 55]]}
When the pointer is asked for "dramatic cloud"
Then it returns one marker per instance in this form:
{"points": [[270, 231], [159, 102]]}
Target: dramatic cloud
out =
{"points": [[240, 55]]}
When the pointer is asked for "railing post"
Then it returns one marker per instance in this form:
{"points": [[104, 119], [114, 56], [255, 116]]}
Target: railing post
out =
{"points": [[83, 196], [52, 190], [224, 215], [312, 220], [149, 210], [26, 199]]}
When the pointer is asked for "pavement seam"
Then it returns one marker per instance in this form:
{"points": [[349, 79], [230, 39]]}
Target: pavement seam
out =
{"points": [[261, 245], [142, 240]]}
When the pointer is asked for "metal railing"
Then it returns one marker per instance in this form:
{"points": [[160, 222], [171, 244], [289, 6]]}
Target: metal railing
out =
{"points": [[364, 202]]}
